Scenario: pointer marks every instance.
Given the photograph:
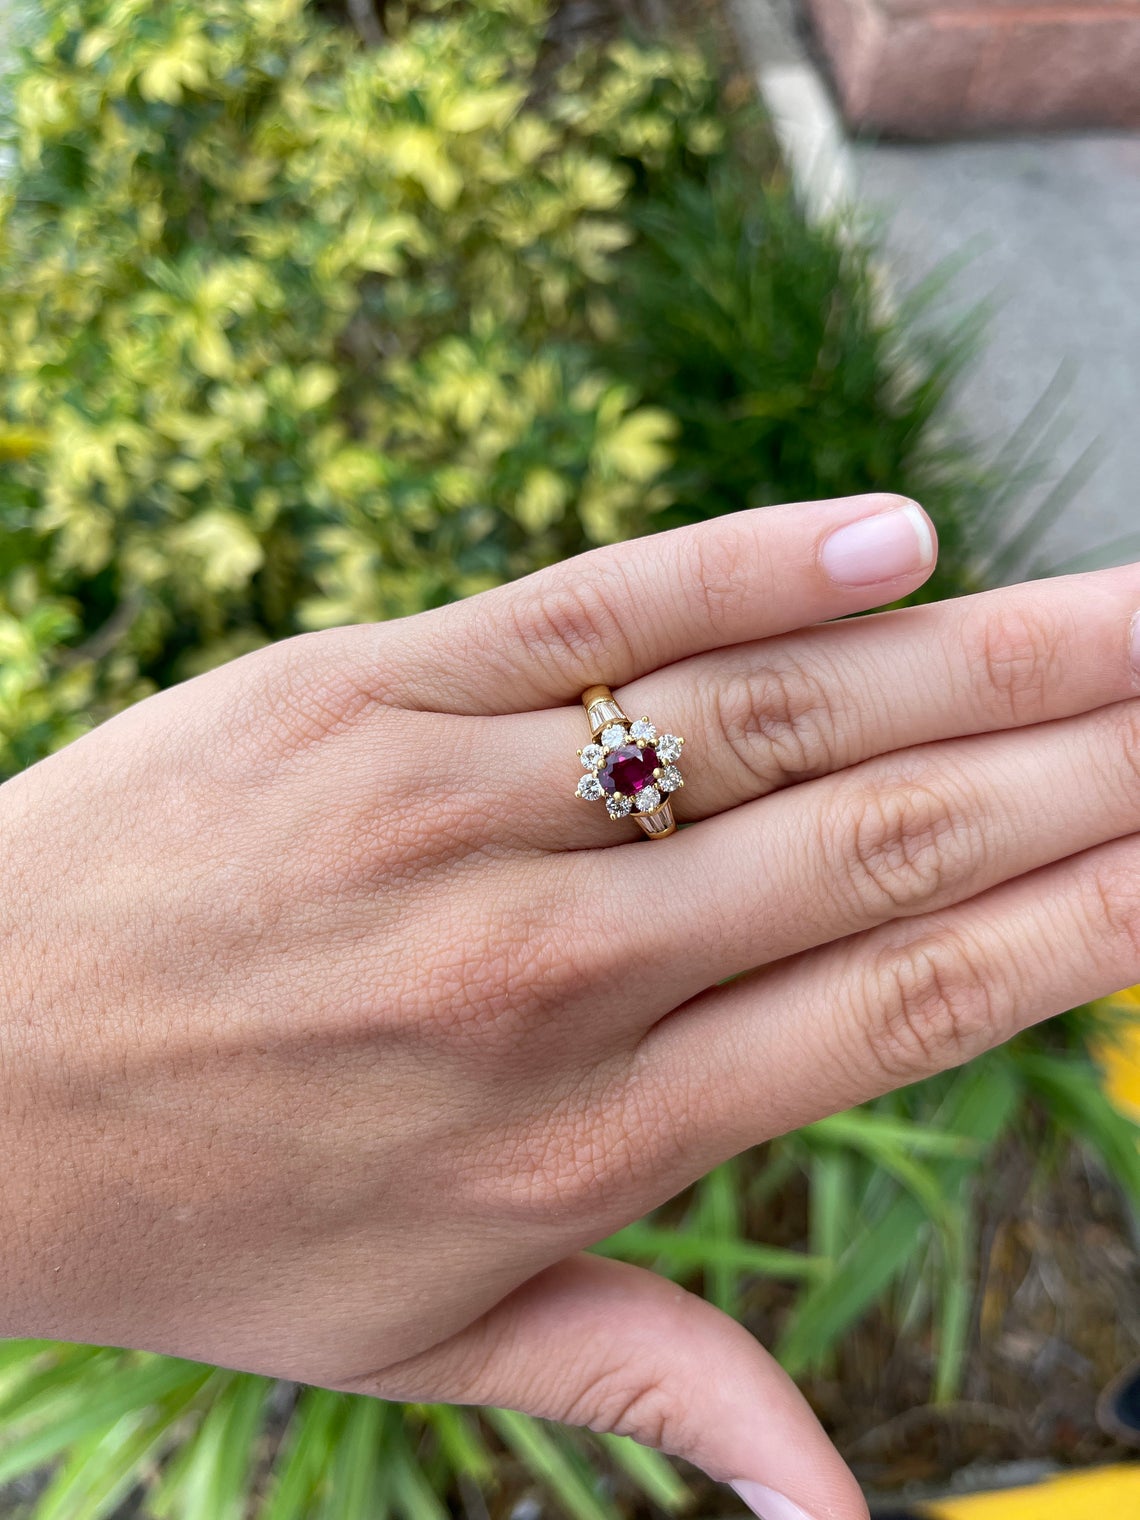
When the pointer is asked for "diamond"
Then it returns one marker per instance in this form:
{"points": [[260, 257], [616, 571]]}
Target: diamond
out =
{"points": [[592, 756], [648, 799], [619, 807], [628, 769], [613, 736], [643, 729], [669, 748], [590, 788], [670, 779]]}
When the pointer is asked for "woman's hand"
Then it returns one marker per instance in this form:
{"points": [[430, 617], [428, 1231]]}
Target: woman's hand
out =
{"points": [[336, 1025]]}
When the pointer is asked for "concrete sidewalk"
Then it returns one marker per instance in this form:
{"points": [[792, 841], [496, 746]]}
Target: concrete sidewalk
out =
{"points": [[1049, 232]]}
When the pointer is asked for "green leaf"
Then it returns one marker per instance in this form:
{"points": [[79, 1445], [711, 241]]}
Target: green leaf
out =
{"points": [[311, 1436], [830, 1203], [545, 1459], [718, 1218], [61, 1417], [638, 1242], [102, 1469], [864, 1129], [461, 1442], [368, 1441], [219, 1472], [654, 1474]]}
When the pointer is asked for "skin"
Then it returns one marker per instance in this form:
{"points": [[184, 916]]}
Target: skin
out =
{"points": [[336, 1026]]}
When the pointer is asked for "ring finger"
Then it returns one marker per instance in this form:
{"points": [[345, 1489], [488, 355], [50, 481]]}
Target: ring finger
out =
{"points": [[894, 838]]}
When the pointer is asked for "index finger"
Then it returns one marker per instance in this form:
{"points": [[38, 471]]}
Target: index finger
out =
{"points": [[623, 610]]}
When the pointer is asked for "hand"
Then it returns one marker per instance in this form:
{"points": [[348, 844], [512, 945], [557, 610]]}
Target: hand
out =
{"points": [[337, 1025]]}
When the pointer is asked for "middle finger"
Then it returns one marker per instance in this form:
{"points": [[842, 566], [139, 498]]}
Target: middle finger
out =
{"points": [[760, 717]]}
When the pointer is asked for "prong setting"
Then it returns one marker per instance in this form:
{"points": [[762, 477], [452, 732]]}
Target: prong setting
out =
{"points": [[631, 769]]}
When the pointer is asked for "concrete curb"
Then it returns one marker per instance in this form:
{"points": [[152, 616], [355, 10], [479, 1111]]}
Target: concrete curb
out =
{"points": [[807, 124]]}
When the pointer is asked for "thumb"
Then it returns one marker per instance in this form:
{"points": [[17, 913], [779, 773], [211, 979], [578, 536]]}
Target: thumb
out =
{"points": [[596, 1342]]}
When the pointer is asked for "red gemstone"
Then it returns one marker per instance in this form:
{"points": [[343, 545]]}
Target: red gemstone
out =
{"points": [[628, 769]]}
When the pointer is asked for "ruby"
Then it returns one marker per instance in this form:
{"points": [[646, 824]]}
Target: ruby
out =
{"points": [[628, 769]]}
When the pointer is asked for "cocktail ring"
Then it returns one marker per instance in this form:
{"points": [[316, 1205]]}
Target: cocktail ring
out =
{"points": [[628, 765]]}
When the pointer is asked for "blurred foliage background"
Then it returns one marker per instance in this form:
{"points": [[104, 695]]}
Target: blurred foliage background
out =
{"points": [[304, 323]]}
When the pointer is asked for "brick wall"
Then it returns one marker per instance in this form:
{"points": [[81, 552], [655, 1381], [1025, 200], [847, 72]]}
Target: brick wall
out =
{"points": [[934, 68]]}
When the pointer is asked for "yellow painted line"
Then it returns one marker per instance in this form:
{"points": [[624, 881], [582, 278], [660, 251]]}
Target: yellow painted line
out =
{"points": [[1120, 1055], [1105, 1493]]}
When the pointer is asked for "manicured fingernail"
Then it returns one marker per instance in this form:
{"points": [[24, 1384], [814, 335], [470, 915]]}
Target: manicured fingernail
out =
{"points": [[766, 1502], [879, 548]]}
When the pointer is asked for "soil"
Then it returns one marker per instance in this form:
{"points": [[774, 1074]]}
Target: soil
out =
{"points": [[1057, 1318]]}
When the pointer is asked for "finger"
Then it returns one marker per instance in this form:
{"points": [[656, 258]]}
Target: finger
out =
{"points": [[619, 611], [761, 716], [893, 838], [823, 1031], [615, 1348]]}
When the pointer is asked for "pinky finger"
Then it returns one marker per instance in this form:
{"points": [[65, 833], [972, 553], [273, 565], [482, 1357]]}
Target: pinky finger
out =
{"points": [[815, 1034]]}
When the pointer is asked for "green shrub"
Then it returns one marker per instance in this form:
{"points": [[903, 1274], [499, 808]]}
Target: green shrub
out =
{"points": [[294, 333]]}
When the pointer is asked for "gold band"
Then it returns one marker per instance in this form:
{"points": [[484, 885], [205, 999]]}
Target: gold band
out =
{"points": [[601, 709], [604, 712]]}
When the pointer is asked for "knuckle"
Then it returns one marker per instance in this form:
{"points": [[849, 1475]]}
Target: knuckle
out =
{"points": [[1016, 654], [1127, 720], [932, 1004], [580, 1155], [559, 1169], [571, 625], [779, 721], [515, 975], [1115, 907], [715, 566], [905, 845], [618, 1402]]}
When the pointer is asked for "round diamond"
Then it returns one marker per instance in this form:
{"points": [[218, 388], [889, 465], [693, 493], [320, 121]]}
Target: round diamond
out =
{"points": [[590, 788], [648, 799], [612, 737], [670, 779], [643, 729], [592, 756], [669, 748], [619, 807]]}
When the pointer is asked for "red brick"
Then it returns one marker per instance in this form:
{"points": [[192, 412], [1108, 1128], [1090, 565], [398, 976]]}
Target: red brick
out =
{"points": [[927, 68]]}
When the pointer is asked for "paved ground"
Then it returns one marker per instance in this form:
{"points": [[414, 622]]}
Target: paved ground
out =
{"points": [[1050, 231]]}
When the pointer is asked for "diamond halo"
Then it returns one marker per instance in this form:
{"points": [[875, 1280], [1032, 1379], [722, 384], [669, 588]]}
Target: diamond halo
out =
{"points": [[629, 767]]}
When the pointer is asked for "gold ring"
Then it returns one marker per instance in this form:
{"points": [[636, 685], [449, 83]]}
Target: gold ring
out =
{"points": [[629, 766]]}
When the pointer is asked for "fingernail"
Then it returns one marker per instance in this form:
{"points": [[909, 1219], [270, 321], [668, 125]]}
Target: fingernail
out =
{"points": [[766, 1502], [1135, 648], [879, 548]]}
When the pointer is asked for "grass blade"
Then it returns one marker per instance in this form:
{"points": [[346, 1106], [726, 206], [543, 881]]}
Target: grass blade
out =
{"points": [[551, 1465], [639, 1242], [654, 1474]]}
